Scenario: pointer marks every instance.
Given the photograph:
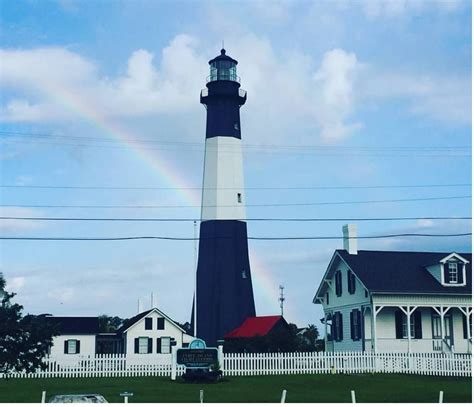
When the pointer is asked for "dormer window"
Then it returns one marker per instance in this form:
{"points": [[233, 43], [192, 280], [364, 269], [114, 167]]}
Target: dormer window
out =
{"points": [[452, 273]]}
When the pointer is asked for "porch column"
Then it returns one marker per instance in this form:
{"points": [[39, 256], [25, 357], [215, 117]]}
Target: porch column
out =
{"points": [[325, 332], [375, 311], [410, 310]]}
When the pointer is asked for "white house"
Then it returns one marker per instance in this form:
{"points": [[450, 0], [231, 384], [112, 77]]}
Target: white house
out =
{"points": [[77, 336], [152, 332], [149, 332], [389, 301]]}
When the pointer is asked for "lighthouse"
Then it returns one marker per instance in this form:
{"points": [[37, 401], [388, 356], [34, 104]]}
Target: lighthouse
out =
{"points": [[224, 294]]}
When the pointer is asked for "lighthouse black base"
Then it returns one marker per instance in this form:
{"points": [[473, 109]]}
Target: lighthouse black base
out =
{"points": [[224, 283]]}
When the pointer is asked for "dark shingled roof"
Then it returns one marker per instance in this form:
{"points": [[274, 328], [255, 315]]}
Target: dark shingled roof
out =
{"points": [[76, 325], [402, 272], [129, 322]]}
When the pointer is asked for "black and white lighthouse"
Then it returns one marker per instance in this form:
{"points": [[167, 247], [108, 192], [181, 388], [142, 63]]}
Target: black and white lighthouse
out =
{"points": [[223, 283]]}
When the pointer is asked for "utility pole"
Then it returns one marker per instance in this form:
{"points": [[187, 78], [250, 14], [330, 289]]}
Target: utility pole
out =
{"points": [[281, 299]]}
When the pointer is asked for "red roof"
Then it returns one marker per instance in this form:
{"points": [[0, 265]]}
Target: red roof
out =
{"points": [[254, 326]]}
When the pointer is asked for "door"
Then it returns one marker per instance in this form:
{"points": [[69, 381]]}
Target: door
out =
{"points": [[448, 331]]}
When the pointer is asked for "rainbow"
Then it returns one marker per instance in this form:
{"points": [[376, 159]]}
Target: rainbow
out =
{"points": [[265, 286]]}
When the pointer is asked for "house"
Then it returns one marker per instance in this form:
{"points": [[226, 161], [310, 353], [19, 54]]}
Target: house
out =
{"points": [[149, 332], [77, 335], [258, 334], [152, 331], [390, 301]]}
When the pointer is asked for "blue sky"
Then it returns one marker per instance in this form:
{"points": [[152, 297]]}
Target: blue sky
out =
{"points": [[358, 79]]}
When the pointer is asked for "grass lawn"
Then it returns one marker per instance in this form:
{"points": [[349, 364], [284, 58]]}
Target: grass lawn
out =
{"points": [[301, 388]]}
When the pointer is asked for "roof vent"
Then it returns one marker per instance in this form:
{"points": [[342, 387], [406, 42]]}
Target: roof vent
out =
{"points": [[349, 232]]}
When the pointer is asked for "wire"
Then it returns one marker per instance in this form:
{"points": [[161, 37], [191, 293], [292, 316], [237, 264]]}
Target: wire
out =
{"points": [[247, 188], [229, 237], [232, 206], [56, 219]]}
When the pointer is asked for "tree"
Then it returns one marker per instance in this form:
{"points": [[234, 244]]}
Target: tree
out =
{"points": [[24, 340], [108, 324], [308, 339]]}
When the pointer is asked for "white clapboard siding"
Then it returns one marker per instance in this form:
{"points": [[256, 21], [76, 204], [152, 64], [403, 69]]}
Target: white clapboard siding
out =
{"points": [[250, 364]]}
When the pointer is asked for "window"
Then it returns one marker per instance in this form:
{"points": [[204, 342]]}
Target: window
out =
{"points": [[351, 283], [356, 331], [160, 323], [401, 326], [143, 345], [166, 344], [71, 346], [239, 197], [366, 293], [244, 274], [338, 279], [148, 323], [453, 273], [327, 298], [337, 327]]}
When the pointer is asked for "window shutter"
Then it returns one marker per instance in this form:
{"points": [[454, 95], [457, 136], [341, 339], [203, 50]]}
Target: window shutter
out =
{"points": [[460, 276], [136, 345], [464, 326], [150, 345], [349, 285], [352, 325], [341, 336], [338, 283], [418, 329], [78, 346], [398, 324], [160, 323], [65, 347], [158, 345], [446, 273], [358, 332]]}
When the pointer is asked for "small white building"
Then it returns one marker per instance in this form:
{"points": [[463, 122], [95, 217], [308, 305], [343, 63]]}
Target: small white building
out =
{"points": [[389, 301], [77, 336], [149, 332]]}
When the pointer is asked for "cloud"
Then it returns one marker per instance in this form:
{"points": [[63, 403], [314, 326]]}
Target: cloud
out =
{"points": [[288, 89], [399, 8], [15, 226], [16, 283]]}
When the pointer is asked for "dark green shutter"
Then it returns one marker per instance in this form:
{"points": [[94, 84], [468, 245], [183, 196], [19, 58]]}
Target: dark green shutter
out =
{"points": [[398, 324], [418, 329], [446, 273], [65, 347], [352, 325], [150, 345], [78, 346], [460, 276], [358, 332], [158, 345], [341, 335], [349, 285], [136, 345], [338, 283]]}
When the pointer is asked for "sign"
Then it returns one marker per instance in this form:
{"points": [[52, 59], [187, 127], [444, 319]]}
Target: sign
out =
{"points": [[196, 358]]}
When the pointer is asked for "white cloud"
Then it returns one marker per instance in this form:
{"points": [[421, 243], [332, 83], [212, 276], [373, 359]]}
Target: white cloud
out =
{"points": [[16, 283], [398, 8], [13, 225]]}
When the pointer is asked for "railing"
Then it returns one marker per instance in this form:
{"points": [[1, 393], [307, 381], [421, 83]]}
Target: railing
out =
{"points": [[252, 364], [222, 77]]}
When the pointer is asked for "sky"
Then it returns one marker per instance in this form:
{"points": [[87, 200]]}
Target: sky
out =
{"points": [[342, 95]]}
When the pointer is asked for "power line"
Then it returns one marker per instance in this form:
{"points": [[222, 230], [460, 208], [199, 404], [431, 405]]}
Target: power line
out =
{"points": [[229, 237], [223, 188], [60, 219], [232, 206]]}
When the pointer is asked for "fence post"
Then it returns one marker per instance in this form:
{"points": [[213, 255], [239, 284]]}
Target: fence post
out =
{"points": [[441, 394], [201, 396], [353, 396], [43, 396], [220, 357], [173, 364], [283, 396]]}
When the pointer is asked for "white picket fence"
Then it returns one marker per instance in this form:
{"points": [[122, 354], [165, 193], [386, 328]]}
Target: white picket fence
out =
{"points": [[247, 364], [251, 364]]}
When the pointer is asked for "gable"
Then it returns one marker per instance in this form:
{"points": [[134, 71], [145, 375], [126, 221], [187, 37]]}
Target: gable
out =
{"points": [[134, 321]]}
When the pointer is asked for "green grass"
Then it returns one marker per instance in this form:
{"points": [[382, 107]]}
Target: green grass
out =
{"points": [[301, 388]]}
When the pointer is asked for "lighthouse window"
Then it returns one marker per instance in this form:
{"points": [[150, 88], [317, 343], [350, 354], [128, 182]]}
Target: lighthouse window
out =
{"points": [[239, 197], [244, 274]]}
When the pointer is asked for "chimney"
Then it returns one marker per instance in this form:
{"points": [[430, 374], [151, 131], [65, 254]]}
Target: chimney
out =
{"points": [[349, 232]]}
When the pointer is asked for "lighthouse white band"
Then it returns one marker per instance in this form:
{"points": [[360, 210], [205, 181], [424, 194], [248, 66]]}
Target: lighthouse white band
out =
{"points": [[223, 195]]}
